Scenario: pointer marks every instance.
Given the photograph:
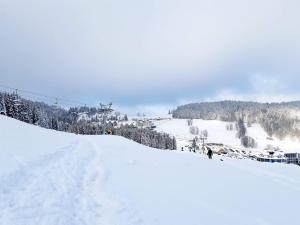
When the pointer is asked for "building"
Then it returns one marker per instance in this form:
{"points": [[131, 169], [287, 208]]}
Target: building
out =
{"points": [[145, 123], [292, 158], [271, 159]]}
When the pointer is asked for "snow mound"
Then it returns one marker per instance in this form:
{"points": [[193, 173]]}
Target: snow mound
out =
{"points": [[55, 178]]}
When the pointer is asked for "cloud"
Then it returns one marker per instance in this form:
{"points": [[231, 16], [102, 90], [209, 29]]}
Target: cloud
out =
{"points": [[148, 110], [257, 97], [263, 84], [262, 88], [140, 52]]}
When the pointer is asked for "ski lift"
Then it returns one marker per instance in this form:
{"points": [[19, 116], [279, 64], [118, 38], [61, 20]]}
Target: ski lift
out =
{"points": [[85, 109], [56, 102], [106, 108], [16, 100], [55, 105]]}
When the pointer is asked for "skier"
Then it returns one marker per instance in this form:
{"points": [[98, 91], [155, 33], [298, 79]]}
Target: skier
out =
{"points": [[209, 153]]}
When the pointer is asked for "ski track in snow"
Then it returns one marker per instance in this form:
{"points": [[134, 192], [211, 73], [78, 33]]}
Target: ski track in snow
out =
{"points": [[63, 188]]}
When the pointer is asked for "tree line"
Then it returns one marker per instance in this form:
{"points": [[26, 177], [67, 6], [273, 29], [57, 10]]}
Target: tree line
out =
{"points": [[277, 119], [79, 120]]}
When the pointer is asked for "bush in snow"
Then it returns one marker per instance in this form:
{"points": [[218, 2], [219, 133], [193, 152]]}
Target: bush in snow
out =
{"points": [[190, 122], [194, 130], [229, 126], [204, 134]]}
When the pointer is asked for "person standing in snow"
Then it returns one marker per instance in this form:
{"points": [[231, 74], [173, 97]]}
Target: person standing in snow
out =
{"points": [[210, 153]]}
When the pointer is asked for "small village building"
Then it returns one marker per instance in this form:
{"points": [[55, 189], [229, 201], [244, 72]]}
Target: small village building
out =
{"points": [[271, 159], [222, 152], [292, 158]]}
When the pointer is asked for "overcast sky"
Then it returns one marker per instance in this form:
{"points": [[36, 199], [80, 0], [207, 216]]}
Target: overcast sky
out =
{"points": [[158, 52]]}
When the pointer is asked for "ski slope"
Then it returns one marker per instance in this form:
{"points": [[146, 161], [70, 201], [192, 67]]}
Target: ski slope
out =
{"points": [[55, 178], [217, 133]]}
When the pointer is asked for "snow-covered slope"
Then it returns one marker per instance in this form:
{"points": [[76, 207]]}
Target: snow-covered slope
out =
{"points": [[53, 178], [217, 133]]}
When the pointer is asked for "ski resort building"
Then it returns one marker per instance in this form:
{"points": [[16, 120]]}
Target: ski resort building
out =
{"points": [[271, 159], [293, 158], [289, 158], [145, 123]]}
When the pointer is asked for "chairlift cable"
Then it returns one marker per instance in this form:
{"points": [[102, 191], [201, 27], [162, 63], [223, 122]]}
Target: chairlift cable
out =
{"points": [[40, 95]]}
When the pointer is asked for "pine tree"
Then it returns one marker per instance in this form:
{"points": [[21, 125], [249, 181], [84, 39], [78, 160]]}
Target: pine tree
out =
{"points": [[194, 144], [241, 128], [2, 104]]}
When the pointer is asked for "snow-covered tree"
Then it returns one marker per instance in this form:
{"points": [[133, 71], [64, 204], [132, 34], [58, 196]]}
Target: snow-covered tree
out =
{"points": [[229, 126], [204, 134], [241, 129], [2, 104], [190, 122], [194, 144], [248, 142], [194, 130]]}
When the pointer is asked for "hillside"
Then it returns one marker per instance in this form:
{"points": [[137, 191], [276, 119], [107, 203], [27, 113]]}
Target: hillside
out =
{"points": [[277, 119], [54, 178], [217, 133], [80, 120]]}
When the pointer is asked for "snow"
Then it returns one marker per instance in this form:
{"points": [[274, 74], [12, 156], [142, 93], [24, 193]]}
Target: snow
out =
{"points": [[217, 133], [54, 178]]}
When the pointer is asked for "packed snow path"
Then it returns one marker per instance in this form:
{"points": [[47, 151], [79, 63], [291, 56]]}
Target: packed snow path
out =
{"points": [[60, 188], [54, 178]]}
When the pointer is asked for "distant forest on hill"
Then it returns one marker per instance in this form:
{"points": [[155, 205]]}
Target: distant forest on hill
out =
{"points": [[277, 119], [80, 120]]}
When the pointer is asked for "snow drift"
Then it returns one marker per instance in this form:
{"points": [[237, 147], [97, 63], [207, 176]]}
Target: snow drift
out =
{"points": [[55, 178]]}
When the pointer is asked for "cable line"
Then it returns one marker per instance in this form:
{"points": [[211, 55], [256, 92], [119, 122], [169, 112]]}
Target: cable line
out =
{"points": [[54, 99]]}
